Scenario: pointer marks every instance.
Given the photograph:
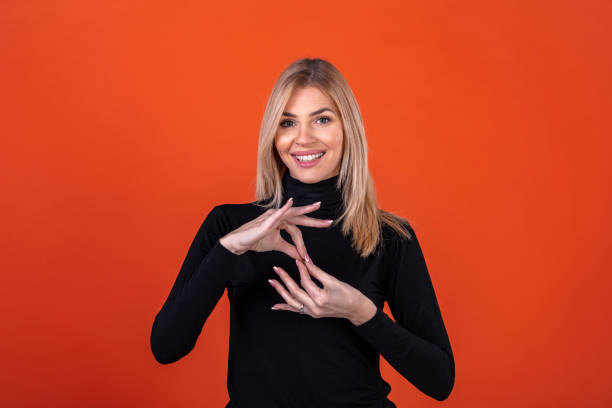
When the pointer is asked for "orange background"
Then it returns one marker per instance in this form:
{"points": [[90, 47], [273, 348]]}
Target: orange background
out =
{"points": [[124, 123]]}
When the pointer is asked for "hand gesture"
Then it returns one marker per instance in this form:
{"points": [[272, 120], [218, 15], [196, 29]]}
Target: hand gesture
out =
{"points": [[263, 233], [335, 299]]}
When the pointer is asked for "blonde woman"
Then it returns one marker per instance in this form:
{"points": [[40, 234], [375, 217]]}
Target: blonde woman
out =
{"points": [[308, 266]]}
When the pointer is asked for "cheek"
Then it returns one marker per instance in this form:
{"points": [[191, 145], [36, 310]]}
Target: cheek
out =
{"points": [[282, 142], [335, 138]]}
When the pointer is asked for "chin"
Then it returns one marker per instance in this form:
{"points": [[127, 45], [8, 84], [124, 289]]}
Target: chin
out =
{"points": [[312, 176]]}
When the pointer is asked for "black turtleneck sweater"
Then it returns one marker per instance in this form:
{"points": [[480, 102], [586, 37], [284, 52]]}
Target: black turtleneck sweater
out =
{"points": [[284, 359]]}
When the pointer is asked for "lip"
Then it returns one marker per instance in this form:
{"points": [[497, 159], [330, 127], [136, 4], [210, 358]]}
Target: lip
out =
{"points": [[306, 152], [307, 164]]}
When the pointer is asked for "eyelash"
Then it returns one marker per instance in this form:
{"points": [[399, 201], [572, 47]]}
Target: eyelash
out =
{"points": [[321, 117]]}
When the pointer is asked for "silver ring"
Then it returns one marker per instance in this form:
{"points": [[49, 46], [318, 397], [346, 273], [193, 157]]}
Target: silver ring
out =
{"points": [[302, 309]]}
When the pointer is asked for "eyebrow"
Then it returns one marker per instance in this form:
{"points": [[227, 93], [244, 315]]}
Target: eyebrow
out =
{"points": [[292, 115]]}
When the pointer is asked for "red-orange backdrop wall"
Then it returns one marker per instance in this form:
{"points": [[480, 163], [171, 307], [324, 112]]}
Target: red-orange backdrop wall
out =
{"points": [[124, 122]]}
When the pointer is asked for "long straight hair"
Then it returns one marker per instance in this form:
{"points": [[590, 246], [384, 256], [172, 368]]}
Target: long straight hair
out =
{"points": [[361, 218]]}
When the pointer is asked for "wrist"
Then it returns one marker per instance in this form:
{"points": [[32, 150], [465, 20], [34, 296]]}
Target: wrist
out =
{"points": [[230, 246], [363, 311]]}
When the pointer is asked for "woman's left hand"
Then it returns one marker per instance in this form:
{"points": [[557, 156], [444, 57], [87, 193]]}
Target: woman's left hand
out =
{"points": [[334, 299]]}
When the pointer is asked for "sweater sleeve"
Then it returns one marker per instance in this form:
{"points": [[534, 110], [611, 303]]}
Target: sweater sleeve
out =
{"points": [[198, 287], [416, 343]]}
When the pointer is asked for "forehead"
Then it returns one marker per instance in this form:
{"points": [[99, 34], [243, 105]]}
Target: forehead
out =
{"points": [[304, 99]]}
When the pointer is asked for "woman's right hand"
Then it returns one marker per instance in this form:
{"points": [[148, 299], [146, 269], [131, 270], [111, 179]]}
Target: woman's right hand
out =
{"points": [[263, 233]]}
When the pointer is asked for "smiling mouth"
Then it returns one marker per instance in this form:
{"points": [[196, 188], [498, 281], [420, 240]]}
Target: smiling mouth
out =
{"points": [[309, 157]]}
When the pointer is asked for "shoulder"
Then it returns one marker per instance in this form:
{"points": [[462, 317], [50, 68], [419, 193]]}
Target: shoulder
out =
{"points": [[406, 262], [231, 215], [223, 218], [395, 228], [398, 236], [237, 209]]}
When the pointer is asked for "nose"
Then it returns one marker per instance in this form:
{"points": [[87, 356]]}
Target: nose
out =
{"points": [[304, 135]]}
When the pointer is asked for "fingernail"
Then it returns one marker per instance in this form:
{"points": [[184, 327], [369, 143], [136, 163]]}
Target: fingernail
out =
{"points": [[270, 281], [290, 199], [317, 203], [329, 221], [273, 308], [307, 258], [275, 269]]}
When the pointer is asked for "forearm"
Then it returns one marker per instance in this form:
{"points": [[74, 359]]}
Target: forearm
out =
{"points": [[429, 366]]}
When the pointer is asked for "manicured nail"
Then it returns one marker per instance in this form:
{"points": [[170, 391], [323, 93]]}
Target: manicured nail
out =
{"points": [[275, 269], [270, 281], [329, 221], [274, 307], [317, 203], [307, 259]]}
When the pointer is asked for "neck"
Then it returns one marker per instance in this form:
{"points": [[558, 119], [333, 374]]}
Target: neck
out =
{"points": [[308, 193]]}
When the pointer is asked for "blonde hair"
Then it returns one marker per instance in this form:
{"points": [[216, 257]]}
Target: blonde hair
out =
{"points": [[361, 216]]}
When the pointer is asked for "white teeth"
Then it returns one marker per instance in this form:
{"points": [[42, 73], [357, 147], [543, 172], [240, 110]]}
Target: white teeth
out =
{"points": [[309, 157]]}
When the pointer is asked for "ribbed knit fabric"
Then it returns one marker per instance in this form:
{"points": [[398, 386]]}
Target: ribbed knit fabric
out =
{"points": [[283, 359]]}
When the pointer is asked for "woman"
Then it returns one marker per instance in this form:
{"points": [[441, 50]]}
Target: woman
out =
{"points": [[310, 332]]}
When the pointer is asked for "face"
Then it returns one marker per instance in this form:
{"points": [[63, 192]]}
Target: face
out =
{"points": [[309, 136]]}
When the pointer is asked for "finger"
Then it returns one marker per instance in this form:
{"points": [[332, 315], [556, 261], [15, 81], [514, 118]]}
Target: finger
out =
{"points": [[319, 273], [298, 239], [284, 306], [286, 248], [295, 292], [303, 209], [284, 294], [272, 220], [267, 214], [309, 221], [307, 283]]}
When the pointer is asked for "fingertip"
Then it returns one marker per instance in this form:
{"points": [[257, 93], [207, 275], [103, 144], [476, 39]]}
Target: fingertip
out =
{"points": [[287, 203]]}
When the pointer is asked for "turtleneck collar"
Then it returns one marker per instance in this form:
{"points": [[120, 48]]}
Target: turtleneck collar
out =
{"points": [[308, 193]]}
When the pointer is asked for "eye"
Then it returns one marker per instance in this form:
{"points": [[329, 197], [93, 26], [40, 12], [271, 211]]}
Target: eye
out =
{"points": [[289, 123]]}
